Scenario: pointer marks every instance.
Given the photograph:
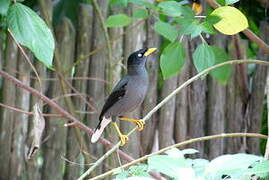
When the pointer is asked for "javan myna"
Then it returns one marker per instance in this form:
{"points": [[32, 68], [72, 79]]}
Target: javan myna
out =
{"points": [[126, 96]]}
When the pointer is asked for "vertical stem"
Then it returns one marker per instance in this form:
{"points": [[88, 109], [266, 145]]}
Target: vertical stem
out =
{"points": [[266, 155]]}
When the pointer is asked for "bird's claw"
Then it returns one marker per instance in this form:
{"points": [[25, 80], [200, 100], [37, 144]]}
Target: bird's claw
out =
{"points": [[140, 124], [123, 139]]}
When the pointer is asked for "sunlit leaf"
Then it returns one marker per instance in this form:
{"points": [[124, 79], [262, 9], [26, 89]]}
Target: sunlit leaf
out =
{"points": [[31, 31], [233, 166], [118, 20], [172, 59], [232, 20], [166, 30]]}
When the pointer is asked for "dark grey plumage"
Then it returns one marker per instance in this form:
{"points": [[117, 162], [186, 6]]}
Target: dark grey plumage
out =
{"points": [[129, 92]]}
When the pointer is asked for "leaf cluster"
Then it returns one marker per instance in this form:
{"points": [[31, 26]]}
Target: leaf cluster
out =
{"points": [[177, 166], [174, 20]]}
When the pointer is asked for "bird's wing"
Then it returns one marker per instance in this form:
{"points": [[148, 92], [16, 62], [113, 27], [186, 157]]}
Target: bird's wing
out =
{"points": [[117, 93]]}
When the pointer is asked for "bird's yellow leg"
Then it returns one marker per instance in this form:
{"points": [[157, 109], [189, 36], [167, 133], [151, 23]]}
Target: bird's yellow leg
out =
{"points": [[123, 138], [139, 122]]}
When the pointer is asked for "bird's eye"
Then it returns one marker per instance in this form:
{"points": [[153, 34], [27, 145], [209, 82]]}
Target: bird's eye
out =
{"points": [[139, 55]]}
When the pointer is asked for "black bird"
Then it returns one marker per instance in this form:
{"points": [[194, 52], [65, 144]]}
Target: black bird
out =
{"points": [[126, 96]]}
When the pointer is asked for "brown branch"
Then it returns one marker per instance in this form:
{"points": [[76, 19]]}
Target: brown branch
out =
{"points": [[27, 112], [61, 111], [251, 36]]}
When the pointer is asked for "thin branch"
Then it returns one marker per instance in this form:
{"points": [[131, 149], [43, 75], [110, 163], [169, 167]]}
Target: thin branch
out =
{"points": [[251, 36], [61, 111], [27, 112], [184, 143], [165, 100], [27, 59]]}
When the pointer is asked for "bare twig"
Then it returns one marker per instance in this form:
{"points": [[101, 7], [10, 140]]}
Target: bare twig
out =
{"points": [[190, 141], [61, 111], [27, 59], [251, 36], [165, 100], [27, 112]]}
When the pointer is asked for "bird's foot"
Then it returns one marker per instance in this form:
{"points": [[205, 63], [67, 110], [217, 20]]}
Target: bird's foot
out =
{"points": [[140, 124], [123, 139]]}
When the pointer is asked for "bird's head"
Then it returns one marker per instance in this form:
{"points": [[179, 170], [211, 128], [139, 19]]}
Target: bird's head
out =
{"points": [[139, 57]]}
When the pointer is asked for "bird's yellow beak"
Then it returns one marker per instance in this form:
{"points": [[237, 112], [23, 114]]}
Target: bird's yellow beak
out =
{"points": [[197, 8], [149, 51]]}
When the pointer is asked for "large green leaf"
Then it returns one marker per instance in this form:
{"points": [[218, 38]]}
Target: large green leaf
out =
{"points": [[118, 20], [222, 74], [203, 57], [233, 166], [172, 59], [4, 5], [232, 20], [167, 165], [170, 8], [260, 169], [31, 31], [166, 30]]}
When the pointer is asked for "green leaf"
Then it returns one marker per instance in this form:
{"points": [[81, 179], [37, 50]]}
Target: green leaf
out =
{"points": [[122, 175], [139, 170], [232, 20], [222, 74], [212, 19], [140, 13], [166, 30], [143, 3], [172, 59], [189, 27], [207, 28], [170, 8], [122, 3], [189, 151], [118, 20], [232, 165], [260, 169], [187, 12], [167, 165], [199, 166], [4, 5], [31, 31], [203, 57], [228, 2]]}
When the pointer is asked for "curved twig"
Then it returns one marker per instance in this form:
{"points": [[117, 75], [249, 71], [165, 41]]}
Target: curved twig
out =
{"points": [[165, 100], [190, 141]]}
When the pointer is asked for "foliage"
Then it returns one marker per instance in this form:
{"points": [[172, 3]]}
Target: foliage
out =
{"points": [[175, 165], [29, 30], [175, 20]]}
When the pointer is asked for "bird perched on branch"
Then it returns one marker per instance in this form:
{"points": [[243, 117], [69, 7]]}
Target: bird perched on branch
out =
{"points": [[126, 96]]}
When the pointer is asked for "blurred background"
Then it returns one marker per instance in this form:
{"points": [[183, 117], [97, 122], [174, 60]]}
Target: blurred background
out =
{"points": [[206, 107]]}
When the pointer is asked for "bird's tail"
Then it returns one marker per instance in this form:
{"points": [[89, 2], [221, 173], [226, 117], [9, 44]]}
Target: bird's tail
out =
{"points": [[100, 128]]}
